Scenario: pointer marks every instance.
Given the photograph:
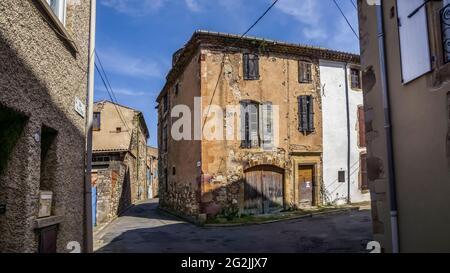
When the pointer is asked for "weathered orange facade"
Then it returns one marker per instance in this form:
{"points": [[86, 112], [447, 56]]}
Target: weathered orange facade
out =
{"points": [[210, 177]]}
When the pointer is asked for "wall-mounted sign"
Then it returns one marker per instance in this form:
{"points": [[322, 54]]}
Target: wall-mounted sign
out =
{"points": [[80, 108], [2, 208]]}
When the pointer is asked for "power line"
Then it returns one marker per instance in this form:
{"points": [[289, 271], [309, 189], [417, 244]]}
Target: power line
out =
{"points": [[260, 17], [353, 3], [114, 98], [111, 97], [345, 17], [223, 57]]}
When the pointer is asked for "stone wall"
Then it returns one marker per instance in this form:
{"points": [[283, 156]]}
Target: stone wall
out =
{"points": [[113, 192], [41, 75]]}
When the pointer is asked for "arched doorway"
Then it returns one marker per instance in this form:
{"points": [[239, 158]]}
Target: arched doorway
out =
{"points": [[263, 189]]}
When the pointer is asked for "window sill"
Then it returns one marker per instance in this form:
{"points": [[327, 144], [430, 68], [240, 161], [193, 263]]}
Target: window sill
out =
{"points": [[60, 30], [48, 221]]}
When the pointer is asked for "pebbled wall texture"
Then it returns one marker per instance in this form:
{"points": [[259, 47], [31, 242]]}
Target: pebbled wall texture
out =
{"points": [[41, 75]]}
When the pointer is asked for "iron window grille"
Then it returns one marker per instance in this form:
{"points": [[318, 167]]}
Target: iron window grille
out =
{"points": [[445, 30]]}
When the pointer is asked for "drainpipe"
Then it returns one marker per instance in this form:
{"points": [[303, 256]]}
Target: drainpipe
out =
{"points": [[347, 102], [88, 242], [388, 128]]}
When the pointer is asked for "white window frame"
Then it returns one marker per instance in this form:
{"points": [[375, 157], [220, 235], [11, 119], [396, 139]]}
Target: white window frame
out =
{"points": [[59, 10]]}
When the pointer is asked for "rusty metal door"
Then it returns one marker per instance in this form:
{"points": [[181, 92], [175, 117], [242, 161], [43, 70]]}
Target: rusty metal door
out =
{"points": [[263, 190], [306, 185]]}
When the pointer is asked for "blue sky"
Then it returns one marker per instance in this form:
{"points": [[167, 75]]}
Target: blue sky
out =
{"points": [[136, 38]]}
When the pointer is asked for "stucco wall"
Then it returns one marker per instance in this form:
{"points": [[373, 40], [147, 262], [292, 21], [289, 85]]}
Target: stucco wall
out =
{"points": [[181, 192], [40, 77], [419, 113], [224, 161], [335, 134]]}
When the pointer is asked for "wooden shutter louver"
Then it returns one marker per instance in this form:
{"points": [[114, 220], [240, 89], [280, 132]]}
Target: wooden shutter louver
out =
{"points": [[306, 114], [364, 184], [251, 66], [361, 127]]}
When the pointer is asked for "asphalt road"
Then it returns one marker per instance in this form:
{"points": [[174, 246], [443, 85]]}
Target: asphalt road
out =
{"points": [[143, 228]]}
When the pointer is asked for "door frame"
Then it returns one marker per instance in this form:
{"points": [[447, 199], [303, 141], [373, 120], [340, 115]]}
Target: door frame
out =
{"points": [[314, 182]]}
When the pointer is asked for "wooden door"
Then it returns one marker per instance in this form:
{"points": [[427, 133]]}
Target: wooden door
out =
{"points": [[306, 185], [273, 191], [263, 190], [253, 192], [47, 239]]}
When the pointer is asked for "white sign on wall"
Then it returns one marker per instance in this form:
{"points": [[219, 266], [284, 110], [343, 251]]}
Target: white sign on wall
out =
{"points": [[79, 107]]}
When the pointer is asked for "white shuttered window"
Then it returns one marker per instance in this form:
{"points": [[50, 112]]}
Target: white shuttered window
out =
{"points": [[414, 44]]}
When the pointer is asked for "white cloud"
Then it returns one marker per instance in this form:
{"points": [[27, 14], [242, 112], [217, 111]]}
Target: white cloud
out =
{"points": [[122, 91], [192, 5], [119, 63], [134, 7]]}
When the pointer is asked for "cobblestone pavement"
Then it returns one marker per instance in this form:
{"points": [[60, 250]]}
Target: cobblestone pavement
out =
{"points": [[143, 228]]}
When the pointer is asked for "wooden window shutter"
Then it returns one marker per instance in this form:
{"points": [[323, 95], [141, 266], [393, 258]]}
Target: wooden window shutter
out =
{"points": [[310, 114], [361, 127], [245, 128], [251, 66], [246, 66], [304, 72], [302, 114], [254, 122], [266, 113], [414, 41], [364, 185]]}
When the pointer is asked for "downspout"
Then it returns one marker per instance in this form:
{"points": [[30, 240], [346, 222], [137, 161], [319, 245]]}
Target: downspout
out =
{"points": [[348, 133], [88, 242], [388, 128]]}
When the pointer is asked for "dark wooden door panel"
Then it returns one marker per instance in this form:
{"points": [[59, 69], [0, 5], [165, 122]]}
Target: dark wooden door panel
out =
{"points": [[306, 185], [47, 239]]}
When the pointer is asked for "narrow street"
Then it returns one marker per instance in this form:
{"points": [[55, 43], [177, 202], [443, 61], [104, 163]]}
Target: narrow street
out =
{"points": [[143, 228]]}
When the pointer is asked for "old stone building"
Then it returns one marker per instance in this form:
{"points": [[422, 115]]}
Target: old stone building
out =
{"points": [[265, 153], [152, 172], [119, 160], [43, 87], [407, 110]]}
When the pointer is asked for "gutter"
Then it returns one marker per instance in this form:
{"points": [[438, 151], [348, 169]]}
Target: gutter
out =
{"points": [[88, 229], [388, 128], [347, 102]]}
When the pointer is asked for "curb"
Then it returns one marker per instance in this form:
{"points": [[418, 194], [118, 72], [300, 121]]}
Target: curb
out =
{"points": [[309, 215]]}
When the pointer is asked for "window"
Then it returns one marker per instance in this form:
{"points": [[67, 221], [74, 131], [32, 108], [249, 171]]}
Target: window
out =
{"points": [[361, 127], [341, 176], [363, 184], [355, 78], [165, 103], [96, 121], [304, 72], [118, 129], [306, 114], [249, 124], [251, 66], [166, 179], [256, 124], [445, 30], [174, 171], [59, 9], [414, 43]]}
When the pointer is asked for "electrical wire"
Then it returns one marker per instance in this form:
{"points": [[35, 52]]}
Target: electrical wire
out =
{"points": [[111, 89], [345, 17], [111, 97]]}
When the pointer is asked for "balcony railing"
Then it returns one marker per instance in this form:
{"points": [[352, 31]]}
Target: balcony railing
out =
{"points": [[445, 28]]}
